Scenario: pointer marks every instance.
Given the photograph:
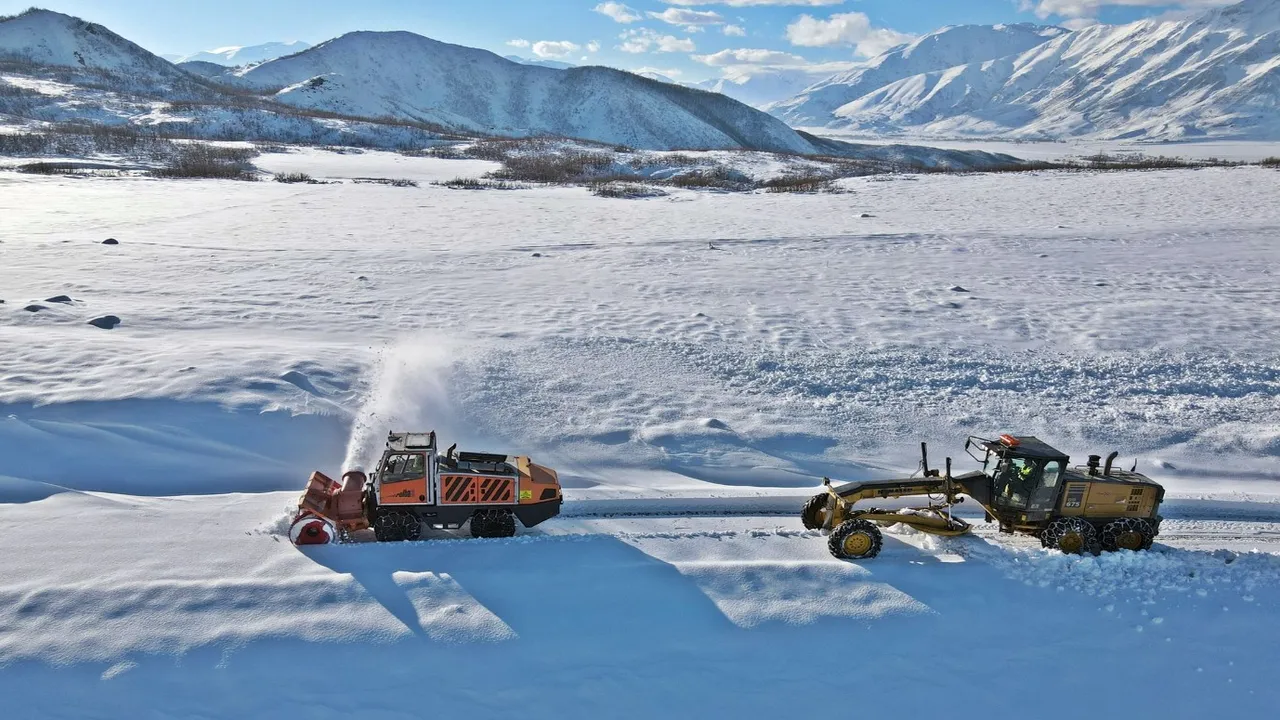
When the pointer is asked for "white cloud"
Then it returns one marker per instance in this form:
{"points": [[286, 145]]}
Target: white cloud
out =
{"points": [[1089, 8], [593, 47], [554, 49], [851, 29], [645, 40], [673, 16], [750, 56], [734, 30], [518, 43], [754, 3], [619, 12]]}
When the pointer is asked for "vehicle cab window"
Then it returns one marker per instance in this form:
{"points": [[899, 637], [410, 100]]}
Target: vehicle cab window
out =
{"points": [[1016, 479], [404, 466], [1052, 471]]}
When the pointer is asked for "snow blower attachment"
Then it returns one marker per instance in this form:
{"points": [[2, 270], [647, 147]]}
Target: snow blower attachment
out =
{"points": [[414, 485], [1025, 485]]}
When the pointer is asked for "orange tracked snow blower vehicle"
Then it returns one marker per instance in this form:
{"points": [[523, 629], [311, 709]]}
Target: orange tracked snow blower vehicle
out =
{"points": [[414, 485]]}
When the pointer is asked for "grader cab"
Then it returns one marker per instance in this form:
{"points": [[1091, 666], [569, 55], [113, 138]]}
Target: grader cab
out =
{"points": [[1025, 485]]}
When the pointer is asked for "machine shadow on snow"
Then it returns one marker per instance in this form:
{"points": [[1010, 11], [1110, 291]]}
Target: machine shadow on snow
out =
{"points": [[627, 632], [548, 588]]}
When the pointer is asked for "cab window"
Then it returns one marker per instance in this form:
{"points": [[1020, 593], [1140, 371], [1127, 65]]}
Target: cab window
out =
{"points": [[404, 466], [1016, 480], [1052, 471]]}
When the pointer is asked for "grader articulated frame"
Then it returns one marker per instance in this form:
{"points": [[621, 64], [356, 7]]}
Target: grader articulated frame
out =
{"points": [[856, 534]]}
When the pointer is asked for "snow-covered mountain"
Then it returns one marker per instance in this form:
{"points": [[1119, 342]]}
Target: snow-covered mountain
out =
{"points": [[235, 55], [1215, 75], [762, 87], [544, 63], [945, 48], [46, 38], [403, 75]]}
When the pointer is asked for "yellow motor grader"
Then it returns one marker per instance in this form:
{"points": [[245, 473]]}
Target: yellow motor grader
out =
{"points": [[1024, 485]]}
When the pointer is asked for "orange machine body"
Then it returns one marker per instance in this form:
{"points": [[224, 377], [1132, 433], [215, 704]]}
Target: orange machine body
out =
{"points": [[417, 484]]}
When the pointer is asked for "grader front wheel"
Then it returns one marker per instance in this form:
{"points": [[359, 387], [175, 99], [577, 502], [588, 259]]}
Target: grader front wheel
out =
{"points": [[814, 513], [855, 540]]}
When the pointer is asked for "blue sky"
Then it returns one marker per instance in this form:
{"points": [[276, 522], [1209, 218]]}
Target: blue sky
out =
{"points": [[689, 39]]}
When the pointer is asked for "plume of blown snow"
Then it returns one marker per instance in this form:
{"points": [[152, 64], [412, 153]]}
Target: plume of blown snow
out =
{"points": [[408, 394]]}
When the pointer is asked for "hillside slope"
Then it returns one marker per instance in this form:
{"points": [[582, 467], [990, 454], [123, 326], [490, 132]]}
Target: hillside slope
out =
{"points": [[478, 91], [946, 48], [1216, 75], [43, 38]]}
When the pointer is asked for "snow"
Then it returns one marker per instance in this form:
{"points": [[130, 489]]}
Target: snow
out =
{"points": [[628, 618], [272, 329], [1080, 148]]}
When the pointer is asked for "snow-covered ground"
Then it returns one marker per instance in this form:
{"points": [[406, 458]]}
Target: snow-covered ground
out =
{"points": [[700, 352], [1248, 151]]}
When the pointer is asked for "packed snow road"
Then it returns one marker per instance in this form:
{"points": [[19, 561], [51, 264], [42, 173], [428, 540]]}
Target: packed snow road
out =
{"points": [[170, 606]]}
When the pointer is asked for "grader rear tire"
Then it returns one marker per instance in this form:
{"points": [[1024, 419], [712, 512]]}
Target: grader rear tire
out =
{"points": [[1127, 534], [1072, 536], [814, 513], [855, 540]]}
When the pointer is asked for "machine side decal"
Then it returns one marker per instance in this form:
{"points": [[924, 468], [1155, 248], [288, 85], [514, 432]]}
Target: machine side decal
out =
{"points": [[497, 490], [458, 489]]}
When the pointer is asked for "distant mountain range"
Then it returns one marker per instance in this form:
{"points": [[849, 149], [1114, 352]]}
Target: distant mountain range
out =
{"points": [[544, 63], [1214, 75], [398, 76], [763, 87], [236, 56], [817, 104]]}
